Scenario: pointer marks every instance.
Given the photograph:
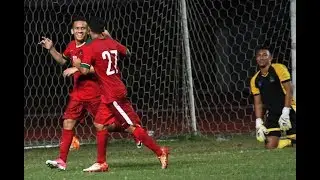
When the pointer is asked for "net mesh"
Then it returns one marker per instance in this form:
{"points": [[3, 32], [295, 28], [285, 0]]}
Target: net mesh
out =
{"points": [[223, 37]]}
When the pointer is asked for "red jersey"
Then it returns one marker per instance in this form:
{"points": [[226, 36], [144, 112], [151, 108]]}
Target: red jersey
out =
{"points": [[103, 55], [85, 87]]}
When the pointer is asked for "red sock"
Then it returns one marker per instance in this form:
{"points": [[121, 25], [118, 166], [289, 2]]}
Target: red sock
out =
{"points": [[66, 140], [141, 134], [135, 139], [102, 137]]}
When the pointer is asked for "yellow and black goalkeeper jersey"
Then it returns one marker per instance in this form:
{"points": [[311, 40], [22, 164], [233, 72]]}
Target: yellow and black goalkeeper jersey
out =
{"points": [[270, 87]]}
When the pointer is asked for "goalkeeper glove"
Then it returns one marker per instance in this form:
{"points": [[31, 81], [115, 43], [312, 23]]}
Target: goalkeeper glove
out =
{"points": [[284, 120], [261, 130]]}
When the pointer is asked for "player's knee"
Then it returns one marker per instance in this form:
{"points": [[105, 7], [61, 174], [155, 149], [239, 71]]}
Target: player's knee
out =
{"points": [[68, 124], [270, 146], [272, 142], [99, 127], [111, 127], [130, 129]]}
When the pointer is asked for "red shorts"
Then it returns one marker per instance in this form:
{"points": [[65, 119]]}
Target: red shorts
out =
{"points": [[76, 110], [120, 112]]}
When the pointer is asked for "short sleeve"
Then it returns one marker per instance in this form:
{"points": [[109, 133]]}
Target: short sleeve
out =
{"points": [[282, 72], [253, 87], [121, 48], [66, 53]]}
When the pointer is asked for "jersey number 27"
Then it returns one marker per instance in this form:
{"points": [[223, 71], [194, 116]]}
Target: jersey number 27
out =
{"points": [[107, 55]]}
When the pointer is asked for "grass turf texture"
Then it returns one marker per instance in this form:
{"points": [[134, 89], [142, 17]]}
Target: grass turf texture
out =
{"points": [[234, 157]]}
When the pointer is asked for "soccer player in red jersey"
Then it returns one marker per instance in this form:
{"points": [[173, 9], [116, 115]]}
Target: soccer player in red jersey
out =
{"points": [[103, 53], [85, 95]]}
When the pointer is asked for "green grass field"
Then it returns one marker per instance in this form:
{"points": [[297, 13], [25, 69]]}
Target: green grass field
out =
{"points": [[236, 157]]}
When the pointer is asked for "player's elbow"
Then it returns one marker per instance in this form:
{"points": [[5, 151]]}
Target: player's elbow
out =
{"points": [[62, 61]]}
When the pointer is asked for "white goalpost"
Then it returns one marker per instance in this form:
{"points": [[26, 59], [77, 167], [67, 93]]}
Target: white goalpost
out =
{"points": [[188, 70], [293, 44], [190, 67]]}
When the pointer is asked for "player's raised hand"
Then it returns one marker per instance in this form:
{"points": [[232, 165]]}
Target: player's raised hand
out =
{"points": [[69, 71], [46, 43], [284, 120], [106, 33]]}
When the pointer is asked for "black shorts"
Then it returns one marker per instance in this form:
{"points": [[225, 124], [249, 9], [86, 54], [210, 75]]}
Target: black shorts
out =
{"points": [[273, 126]]}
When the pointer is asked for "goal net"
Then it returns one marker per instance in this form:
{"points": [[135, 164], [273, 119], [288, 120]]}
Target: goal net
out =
{"points": [[223, 35]]}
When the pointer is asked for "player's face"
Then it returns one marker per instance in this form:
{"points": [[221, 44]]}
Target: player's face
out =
{"points": [[263, 58], [80, 30]]}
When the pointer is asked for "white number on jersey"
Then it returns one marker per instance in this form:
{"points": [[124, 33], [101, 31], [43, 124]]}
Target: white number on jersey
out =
{"points": [[106, 55]]}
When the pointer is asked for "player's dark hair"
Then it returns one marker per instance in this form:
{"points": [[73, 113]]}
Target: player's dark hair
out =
{"points": [[77, 18], [263, 47], [96, 25]]}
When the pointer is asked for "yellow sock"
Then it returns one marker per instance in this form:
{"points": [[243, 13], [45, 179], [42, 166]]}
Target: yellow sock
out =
{"points": [[283, 143], [292, 136]]}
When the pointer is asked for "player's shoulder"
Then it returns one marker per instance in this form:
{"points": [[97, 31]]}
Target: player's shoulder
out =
{"points": [[92, 42], [72, 43], [278, 66], [254, 77], [109, 42], [88, 40], [112, 41], [71, 46], [280, 69]]}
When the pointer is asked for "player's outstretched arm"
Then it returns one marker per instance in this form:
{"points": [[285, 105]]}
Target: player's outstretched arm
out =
{"points": [[284, 120], [123, 50], [106, 33], [48, 44], [289, 91], [261, 130], [70, 71], [285, 78], [258, 106]]}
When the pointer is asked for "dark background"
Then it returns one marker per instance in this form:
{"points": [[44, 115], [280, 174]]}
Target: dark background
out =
{"points": [[223, 37]]}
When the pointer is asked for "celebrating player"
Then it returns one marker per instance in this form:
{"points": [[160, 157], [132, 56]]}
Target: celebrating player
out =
{"points": [[103, 53], [85, 95], [272, 91]]}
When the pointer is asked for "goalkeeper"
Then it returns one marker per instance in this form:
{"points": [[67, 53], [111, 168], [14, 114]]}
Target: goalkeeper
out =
{"points": [[272, 91]]}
